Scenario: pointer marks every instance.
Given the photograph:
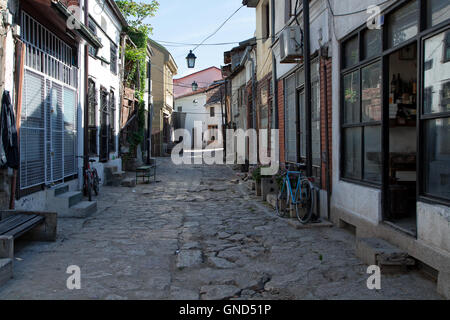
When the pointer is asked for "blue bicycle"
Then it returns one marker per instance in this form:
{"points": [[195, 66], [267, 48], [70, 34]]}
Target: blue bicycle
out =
{"points": [[302, 197]]}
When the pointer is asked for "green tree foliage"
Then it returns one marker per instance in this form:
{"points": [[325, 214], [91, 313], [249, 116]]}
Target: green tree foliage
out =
{"points": [[136, 12]]}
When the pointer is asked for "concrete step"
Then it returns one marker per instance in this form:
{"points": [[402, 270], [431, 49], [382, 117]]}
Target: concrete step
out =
{"points": [[6, 270], [82, 209], [58, 190], [128, 182], [112, 169], [64, 201], [113, 176], [390, 259]]}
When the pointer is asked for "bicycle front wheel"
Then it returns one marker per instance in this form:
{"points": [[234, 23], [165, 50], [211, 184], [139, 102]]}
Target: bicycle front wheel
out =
{"points": [[282, 204], [305, 201]]}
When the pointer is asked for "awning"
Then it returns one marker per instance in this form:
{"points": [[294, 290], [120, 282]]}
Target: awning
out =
{"points": [[82, 31]]}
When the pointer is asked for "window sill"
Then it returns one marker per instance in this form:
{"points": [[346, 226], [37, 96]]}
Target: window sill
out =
{"points": [[433, 200], [362, 183]]}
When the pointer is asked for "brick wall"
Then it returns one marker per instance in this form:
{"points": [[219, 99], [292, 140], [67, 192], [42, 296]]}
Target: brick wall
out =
{"points": [[325, 81], [281, 121]]}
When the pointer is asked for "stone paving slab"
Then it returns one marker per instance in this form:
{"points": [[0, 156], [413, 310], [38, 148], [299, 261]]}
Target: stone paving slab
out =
{"points": [[198, 234]]}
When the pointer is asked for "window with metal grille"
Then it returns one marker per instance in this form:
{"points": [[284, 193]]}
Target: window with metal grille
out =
{"points": [[104, 126], [92, 124], [112, 113], [113, 60], [92, 26], [49, 108]]}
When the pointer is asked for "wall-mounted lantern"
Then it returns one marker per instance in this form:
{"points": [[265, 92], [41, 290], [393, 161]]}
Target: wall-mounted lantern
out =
{"points": [[194, 86]]}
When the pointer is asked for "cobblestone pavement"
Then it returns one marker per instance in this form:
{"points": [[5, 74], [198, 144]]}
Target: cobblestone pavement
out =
{"points": [[197, 235]]}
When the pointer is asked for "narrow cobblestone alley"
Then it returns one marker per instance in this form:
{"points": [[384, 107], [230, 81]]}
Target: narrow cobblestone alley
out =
{"points": [[197, 235]]}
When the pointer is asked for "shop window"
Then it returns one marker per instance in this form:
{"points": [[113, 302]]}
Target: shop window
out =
{"points": [[351, 52], [372, 153], [435, 76], [437, 157], [362, 124], [290, 122], [371, 43], [371, 92], [315, 123], [301, 108], [403, 24], [436, 136], [437, 11], [352, 153], [351, 98]]}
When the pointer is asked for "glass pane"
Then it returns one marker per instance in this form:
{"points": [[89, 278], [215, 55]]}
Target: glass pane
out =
{"points": [[351, 52], [300, 75], [371, 43], [436, 75], [437, 157], [351, 98], [315, 123], [437, 11], [371, 92], [290, 118], [264, 110], [301, 101], [352, 153], [403, 24], [372, 153]]}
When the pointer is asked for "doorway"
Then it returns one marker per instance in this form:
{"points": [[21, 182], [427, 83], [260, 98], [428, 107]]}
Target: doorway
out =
{"points": [[402, 128]]}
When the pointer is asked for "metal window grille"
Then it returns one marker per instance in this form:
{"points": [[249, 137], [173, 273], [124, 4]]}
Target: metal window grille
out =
{"points": [[92, 110], [93, 28], [113, 60], [112, 114], [49, 110], [104, 126]]}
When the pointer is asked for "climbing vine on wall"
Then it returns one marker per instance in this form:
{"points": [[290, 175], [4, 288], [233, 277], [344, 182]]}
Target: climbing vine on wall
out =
{"points": [[139, 31]]}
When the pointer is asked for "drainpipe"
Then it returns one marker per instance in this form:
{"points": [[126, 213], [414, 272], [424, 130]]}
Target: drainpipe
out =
{"points": [[245, 57], [150, 113], [86, 93], [274, 72], [327, 141], [307, 65], [253, 92]]}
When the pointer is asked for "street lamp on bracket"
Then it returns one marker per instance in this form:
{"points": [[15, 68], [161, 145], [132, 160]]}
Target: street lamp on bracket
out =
{"points": [[191, 59], [194, 86]]}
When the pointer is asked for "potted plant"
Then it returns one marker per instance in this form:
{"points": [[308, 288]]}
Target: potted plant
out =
{"points": [[256, 176]]}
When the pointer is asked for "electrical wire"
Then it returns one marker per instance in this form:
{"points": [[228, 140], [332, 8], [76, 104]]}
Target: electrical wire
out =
{"points": [[353, 12], [220, 27]]}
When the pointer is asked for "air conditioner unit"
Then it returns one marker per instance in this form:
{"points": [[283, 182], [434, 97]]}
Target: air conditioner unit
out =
{"points": [[291, 45]]}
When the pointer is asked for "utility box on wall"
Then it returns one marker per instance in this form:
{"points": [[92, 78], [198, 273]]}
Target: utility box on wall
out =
{"points": [[291, 45]]}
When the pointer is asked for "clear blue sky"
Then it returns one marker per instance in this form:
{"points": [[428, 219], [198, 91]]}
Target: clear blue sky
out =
{"points": [[191, 21]]}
